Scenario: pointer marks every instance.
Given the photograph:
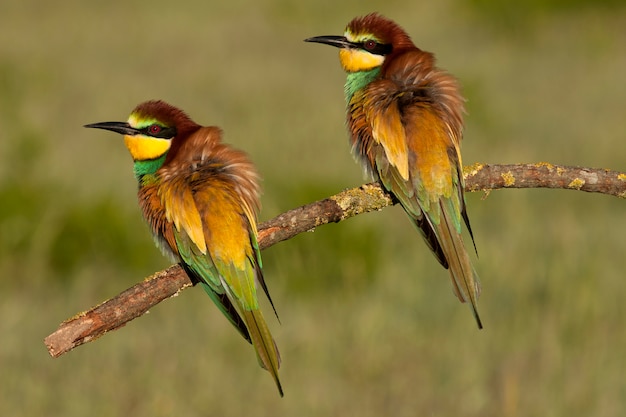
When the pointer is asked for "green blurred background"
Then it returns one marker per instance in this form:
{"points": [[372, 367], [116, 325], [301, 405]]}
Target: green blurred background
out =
{"points": [[370, 326]]}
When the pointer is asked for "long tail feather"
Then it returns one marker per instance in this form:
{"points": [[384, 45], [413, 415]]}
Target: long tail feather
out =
{"points": [[464, 278], [266, 349]]}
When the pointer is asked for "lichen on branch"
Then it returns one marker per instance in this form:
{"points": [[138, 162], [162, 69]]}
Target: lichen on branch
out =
{"points": [[137, 300]]}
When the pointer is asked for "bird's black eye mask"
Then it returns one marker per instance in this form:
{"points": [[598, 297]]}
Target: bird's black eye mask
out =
{"points": [[159, 131], [374, 47]]}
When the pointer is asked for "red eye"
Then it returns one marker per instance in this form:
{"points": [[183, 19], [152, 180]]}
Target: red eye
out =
{"points": [[154, 129], [370, 44]]}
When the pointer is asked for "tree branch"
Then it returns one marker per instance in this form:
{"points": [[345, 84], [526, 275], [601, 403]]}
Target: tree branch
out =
{"points": [[135, 301]]}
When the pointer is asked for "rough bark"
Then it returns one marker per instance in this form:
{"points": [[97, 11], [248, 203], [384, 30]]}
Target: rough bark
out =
{"points": [[135, 301]]}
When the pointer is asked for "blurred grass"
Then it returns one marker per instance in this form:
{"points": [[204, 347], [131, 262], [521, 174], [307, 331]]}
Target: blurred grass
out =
{"points": [[370, 326]]}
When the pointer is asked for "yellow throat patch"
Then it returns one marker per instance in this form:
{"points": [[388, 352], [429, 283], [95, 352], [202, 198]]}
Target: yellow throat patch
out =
{"points": [[144, 147], [354, 60]]}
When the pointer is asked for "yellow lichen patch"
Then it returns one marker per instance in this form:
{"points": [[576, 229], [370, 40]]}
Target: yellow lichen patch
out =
{"points": [[560, 171], [547, 165], [621, 177], [471, 170], [576, 184], [508, 178], [622, 194], [366, 198]]}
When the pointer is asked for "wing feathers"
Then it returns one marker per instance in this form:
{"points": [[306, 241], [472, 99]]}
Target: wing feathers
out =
{"points": [[407, 125], [208, 196]]}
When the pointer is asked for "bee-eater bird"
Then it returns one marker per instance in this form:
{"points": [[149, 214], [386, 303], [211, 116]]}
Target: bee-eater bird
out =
{"points": [[405, 118], [200, 198]]}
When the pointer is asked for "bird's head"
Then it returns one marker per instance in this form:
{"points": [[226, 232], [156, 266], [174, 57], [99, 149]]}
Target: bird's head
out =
{"points": [[150, 129], [367, 42]]}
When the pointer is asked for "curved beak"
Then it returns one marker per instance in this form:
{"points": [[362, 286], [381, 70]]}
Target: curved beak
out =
{"points": [[336, 41], [117, 127]]}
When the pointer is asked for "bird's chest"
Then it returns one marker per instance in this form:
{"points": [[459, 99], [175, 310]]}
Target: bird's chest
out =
{"points": [[359, 125], [154, 213], [364, 147]]}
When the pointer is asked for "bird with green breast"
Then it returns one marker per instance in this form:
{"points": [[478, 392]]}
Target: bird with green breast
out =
{"points": [[405, 119], [200, 198]]}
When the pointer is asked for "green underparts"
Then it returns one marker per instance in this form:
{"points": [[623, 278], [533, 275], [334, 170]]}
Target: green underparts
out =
{"points": [[358, 80], [148, 167]]}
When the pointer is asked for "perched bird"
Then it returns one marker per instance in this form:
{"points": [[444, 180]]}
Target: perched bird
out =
{"points": [[405, 118], [200, 198]]}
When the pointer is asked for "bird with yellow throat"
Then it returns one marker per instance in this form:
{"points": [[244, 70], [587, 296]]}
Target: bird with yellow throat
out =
{"points": [[200, 198], [405, 119]]}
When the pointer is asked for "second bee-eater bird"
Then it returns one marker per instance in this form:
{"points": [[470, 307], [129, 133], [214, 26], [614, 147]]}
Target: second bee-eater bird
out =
{"points": [[405, 119], [200, 198]]}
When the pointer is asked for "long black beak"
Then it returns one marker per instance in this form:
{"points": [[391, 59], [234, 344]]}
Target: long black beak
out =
{"points": [[117, 127], [336, 41]]}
